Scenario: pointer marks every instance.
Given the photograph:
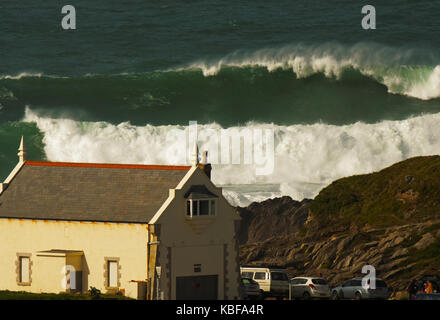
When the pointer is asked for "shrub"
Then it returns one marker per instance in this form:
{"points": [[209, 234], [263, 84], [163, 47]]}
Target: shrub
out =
{"points": [[95, 293]]}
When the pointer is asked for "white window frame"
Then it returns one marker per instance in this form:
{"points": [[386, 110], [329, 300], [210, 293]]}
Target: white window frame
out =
{"points": [[212, 213], [20, 269], [108, 274], [112, 274], [25, 269]]}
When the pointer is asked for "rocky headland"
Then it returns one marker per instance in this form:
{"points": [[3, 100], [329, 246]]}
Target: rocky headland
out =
{"points": [[389, 219]]}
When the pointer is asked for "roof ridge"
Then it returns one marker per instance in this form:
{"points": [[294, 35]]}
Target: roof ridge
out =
{"points": [[105, 165]]}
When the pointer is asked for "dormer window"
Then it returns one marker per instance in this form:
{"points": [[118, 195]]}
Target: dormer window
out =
{"points": [[200, 202], [205, 207]]}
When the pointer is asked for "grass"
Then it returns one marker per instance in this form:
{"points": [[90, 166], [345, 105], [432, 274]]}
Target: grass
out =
{"points": [[429, 255], [411, 240], [427, 260], [431, 228], [406, 192], [23, 295]]}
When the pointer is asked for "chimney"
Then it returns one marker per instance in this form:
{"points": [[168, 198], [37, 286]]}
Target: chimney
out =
{"points": [[204, 165], [195, 155]]}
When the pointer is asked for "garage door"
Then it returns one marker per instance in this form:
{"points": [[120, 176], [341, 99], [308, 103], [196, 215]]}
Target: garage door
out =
{"points": [[197, 288]]}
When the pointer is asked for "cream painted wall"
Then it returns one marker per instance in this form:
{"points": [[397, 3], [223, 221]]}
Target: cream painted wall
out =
{"points": [[206, 247], [46, 274], [128, 242]]}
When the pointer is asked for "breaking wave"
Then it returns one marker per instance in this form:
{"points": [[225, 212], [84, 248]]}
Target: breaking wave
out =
{"points": [[403, 71], [307, 157]]}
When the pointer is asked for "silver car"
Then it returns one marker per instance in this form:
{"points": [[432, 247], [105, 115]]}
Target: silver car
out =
{"points": [[352, 289], [309, 287]]}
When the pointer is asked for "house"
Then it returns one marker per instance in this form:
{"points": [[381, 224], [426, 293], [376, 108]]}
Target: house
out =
{"points": [[145, 231]]}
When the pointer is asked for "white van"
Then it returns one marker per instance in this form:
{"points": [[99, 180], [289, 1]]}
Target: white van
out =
{"points": [[273, 282]]}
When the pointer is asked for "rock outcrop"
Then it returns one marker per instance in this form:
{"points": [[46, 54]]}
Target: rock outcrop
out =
{"points": [[332, 237]]}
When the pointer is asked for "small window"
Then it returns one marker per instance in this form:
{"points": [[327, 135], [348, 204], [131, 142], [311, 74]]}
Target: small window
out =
{"points": [[247, 274], [281, 276], [356, 283], [204, 207], [197, 268], [196, 208], [24, 269], [319, 282], [260, 276], [212, 207], [188, 208], [112, 275]]}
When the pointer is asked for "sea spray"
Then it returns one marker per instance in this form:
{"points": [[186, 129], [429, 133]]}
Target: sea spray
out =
{"points": [[307, 157]]}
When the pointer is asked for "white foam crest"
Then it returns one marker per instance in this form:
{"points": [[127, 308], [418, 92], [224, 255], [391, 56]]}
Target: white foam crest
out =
{"points": [[384, 64], [429, 89], [22, 75], [307, 157]]}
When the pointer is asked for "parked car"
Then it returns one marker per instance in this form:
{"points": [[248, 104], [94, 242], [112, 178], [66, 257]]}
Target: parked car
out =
{"points": [[250, 289], [273, 282], [428, 296], [309, 287], [352, 289], [420, 283]]}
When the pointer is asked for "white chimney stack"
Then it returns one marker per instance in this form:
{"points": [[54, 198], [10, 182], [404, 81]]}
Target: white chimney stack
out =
{"points": [[21, 151], [204, 157], [195, 155]]}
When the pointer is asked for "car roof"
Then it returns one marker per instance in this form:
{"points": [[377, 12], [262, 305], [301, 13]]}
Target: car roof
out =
{"points": [[308, 277], [263, 267], [359, 278]]}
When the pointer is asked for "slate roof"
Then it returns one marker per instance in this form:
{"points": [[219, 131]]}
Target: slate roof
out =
{"points": [[89, 192]]}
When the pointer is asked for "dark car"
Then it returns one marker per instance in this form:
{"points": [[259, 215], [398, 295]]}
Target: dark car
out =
{"points": [[428, 296], [250, 289], [418, 287], [420, 283]]}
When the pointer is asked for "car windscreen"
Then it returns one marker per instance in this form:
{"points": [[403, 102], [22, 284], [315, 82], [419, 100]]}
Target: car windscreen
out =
{"points": [[319, 281], [279, 276]]}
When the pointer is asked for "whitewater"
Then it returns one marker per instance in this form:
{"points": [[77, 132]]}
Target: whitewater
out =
{"points": [[402, 70], [307, 157]]}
